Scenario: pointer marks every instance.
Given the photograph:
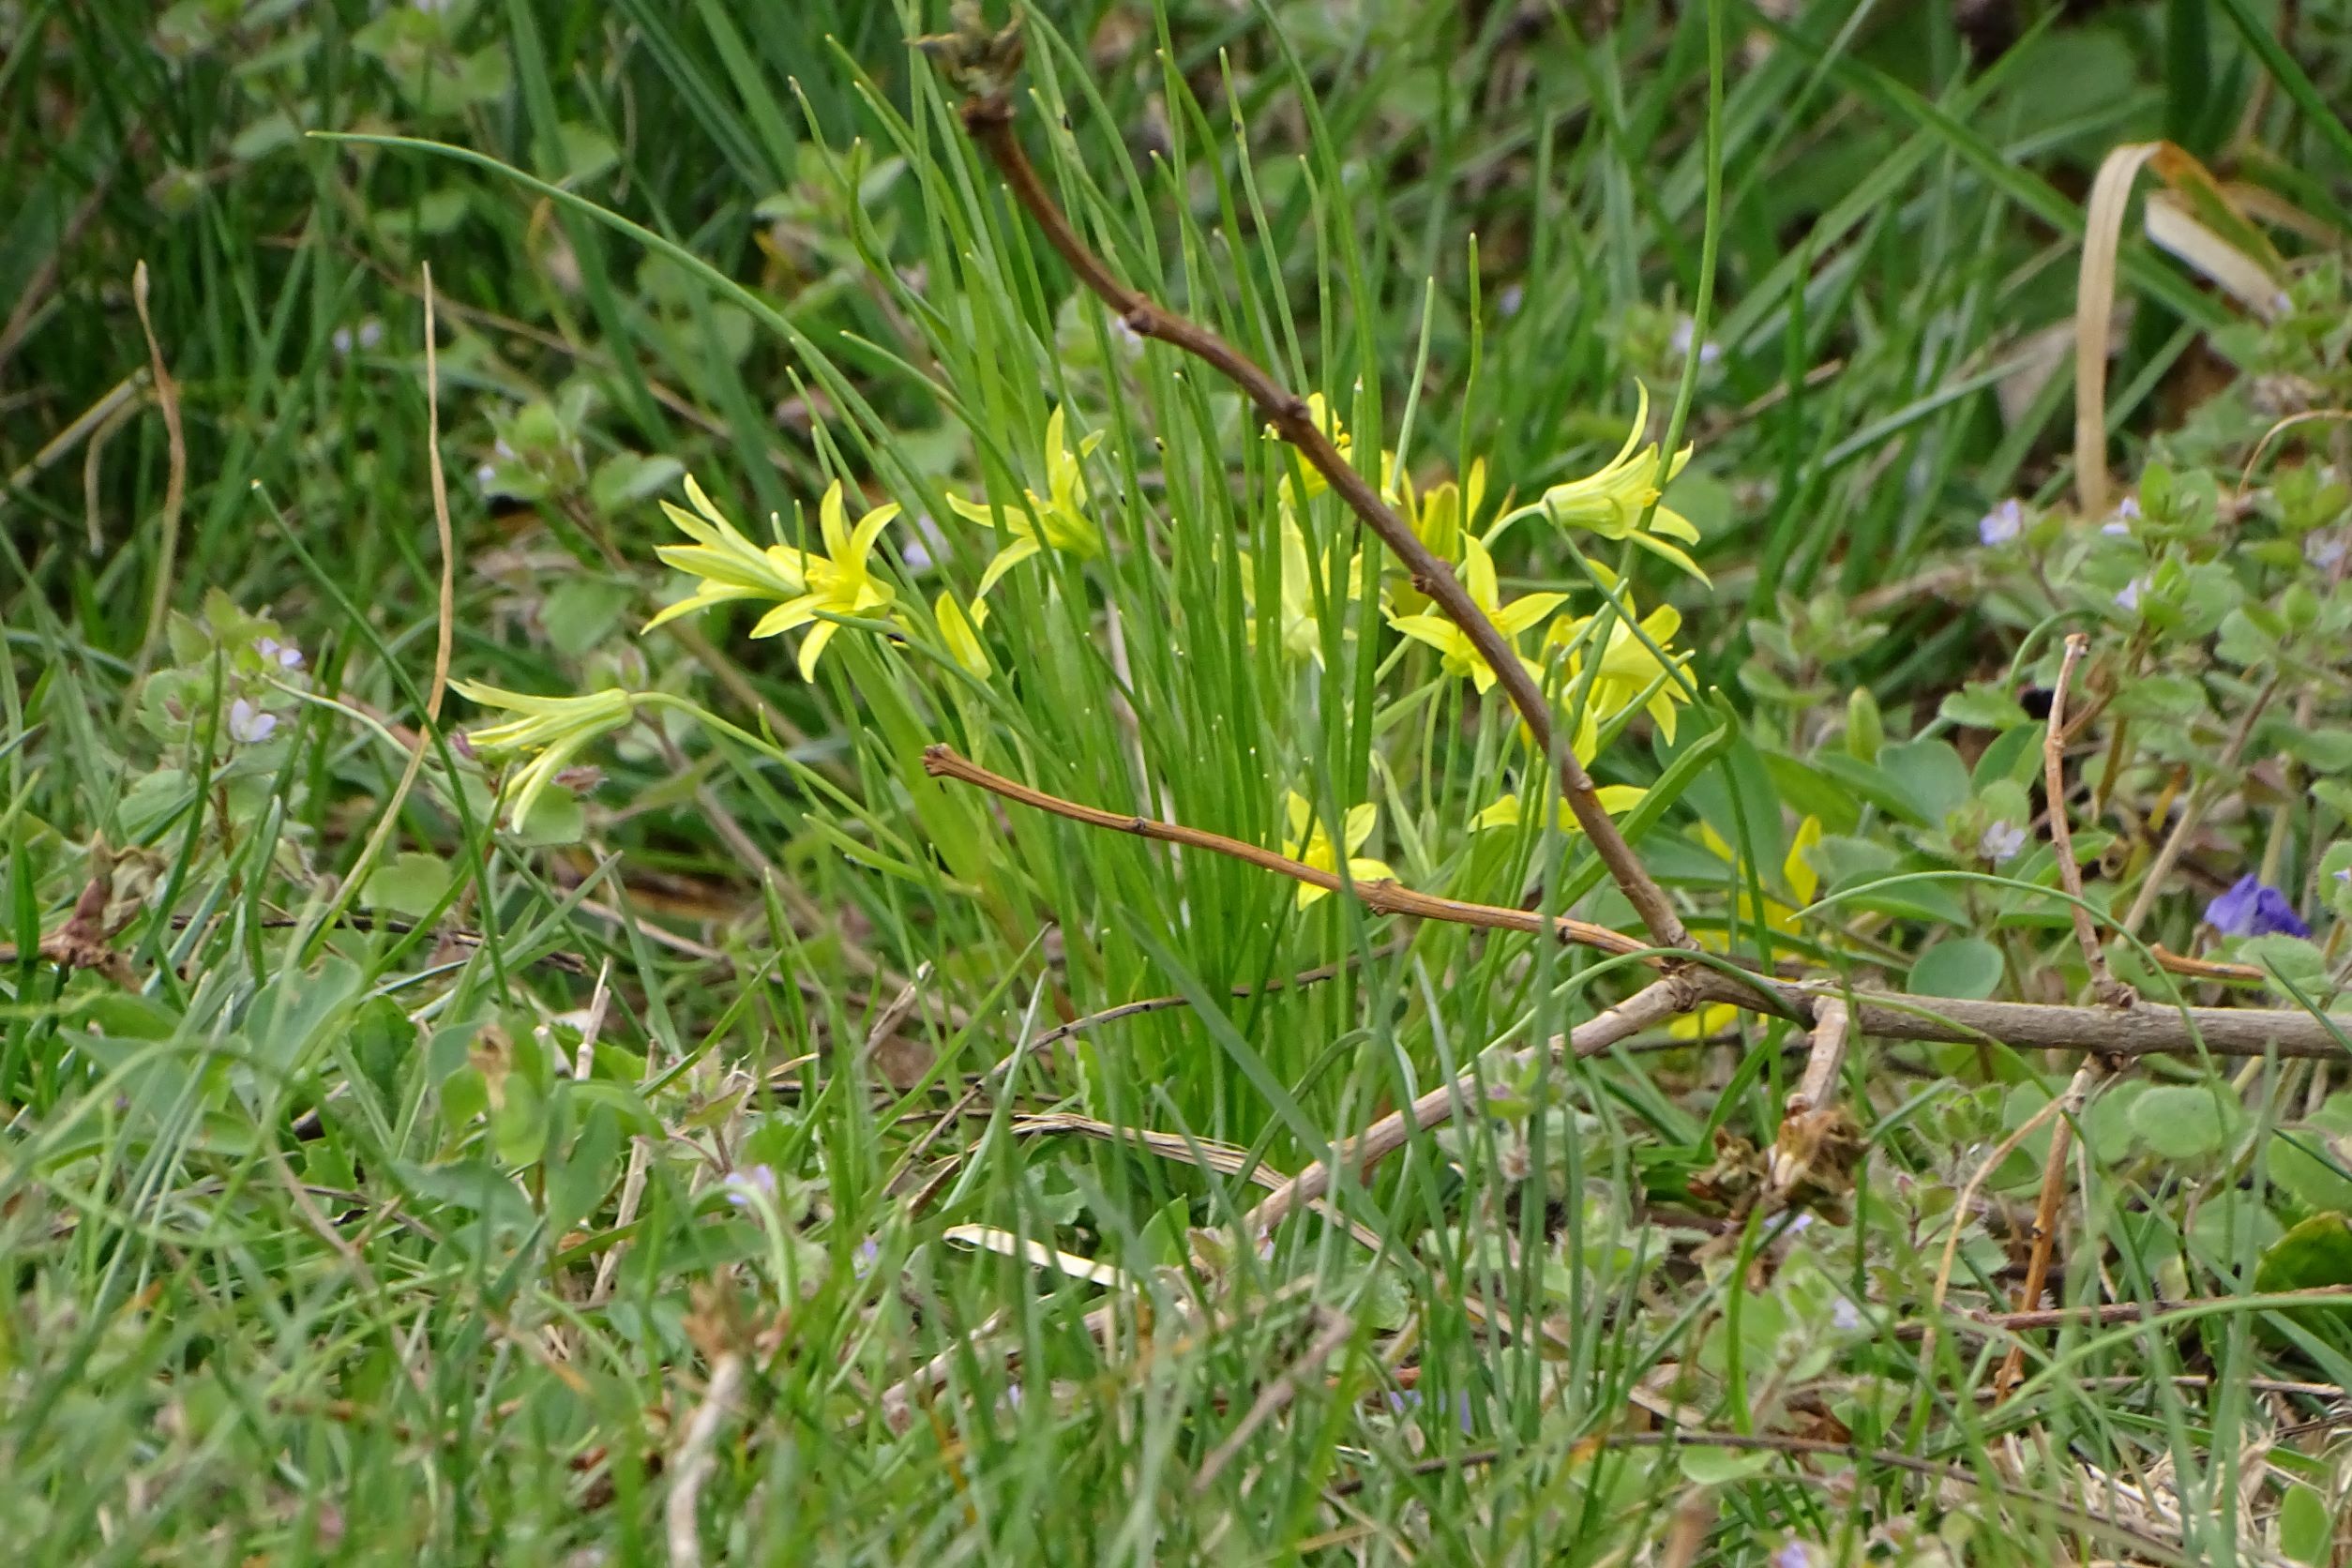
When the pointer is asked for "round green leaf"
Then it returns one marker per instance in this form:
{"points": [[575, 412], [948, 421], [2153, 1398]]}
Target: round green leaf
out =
{"points": [[1962, 966], [2181, 1121]]}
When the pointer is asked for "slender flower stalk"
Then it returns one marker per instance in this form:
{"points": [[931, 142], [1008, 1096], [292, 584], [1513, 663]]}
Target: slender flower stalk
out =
{"points": [[549, 731]]}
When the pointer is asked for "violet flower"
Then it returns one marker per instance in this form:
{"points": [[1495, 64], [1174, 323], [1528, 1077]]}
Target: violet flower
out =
{"points": [[2001, 524], [2252, 908]]}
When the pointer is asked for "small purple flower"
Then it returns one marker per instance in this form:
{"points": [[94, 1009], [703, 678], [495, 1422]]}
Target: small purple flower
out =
{"points": [[1845, 1314], [2345, 875], [2116, 528], [1512, 297], [2252, 908], [283, 655], [2324, 548], [1794, 1555], [863, 1260], [247, 724], [741, 1185], [2001, 524], [2129, 598], [2001, 841]]}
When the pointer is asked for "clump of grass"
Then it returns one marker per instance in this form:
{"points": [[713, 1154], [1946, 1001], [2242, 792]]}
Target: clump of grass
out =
{"points": [[647, 1111]]}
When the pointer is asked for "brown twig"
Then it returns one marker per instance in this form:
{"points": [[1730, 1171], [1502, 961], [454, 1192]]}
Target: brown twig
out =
{"points": [[2114, 1032], [1381, 898], [2102, 981], [983, 65], [2045, 1216]]}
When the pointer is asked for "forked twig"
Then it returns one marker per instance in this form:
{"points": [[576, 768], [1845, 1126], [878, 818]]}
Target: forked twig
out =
{"points": [[1381, 898], [2114, 1032], [983, 65], [2103, 983]]}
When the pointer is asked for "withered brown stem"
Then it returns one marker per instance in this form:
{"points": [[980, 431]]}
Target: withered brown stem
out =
{"points": [[981, 65]]}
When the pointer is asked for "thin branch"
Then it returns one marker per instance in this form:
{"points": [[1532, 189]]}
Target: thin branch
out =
{"points": [[1338, 1327], [1653, 1004], [983, 67], [1382, 896], [1810, 1113], [2074, 1515], [696, 1459], [2147, 1029], [2102, 981], [2045, 1216]]}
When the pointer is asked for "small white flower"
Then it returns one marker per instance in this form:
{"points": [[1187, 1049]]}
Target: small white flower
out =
{"points": [[2001, 841], [247, 724], [502, 452], [2128, 509], [370, 332], [2129, 598], [1845, 1314], [285, 655], [340, 339], [1512, 297], [2325, 549], [485, 474], [2001, 524]]}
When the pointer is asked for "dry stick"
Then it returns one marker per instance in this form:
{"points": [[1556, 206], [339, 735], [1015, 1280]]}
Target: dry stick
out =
{"points": [[1381, 898], [988, 116], [167, 397], [696, 1459], [1337, 1330], [2103, 983], [1662, 1000], [2076, 1514], [2045, 1214], [1054, 1036], [1802, 1116], [2123, 1032]]}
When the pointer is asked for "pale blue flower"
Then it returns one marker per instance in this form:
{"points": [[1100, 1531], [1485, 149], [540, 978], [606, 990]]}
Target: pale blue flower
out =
{"points": [[2001, 841], [247, 724], [2001, 524]]}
